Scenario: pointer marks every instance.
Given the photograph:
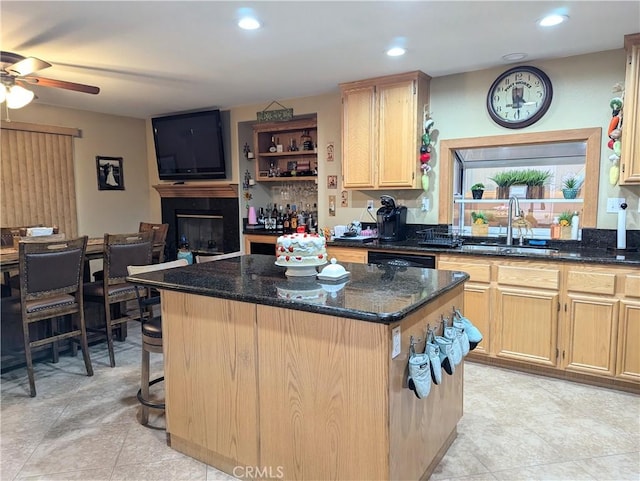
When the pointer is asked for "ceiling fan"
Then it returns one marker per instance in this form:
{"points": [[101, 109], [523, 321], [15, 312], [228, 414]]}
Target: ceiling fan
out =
{"points": [[17, 71]]}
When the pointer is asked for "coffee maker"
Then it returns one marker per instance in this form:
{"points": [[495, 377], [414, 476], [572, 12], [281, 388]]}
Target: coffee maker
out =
{"points": [[392, 220]]}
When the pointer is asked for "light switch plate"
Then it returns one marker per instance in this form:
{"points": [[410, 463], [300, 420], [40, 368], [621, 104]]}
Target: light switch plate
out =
{"points": [[613, 204], [396, 336], [370, 204]]}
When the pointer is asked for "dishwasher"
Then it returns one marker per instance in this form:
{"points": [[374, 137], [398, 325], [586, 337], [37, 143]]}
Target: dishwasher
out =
{"points": [[402, 260]]}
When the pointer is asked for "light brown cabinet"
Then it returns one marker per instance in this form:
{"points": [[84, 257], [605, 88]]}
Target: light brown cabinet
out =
{"points": [[526, 311], [296, 165], [630, 156], [382, 127], [568, 317], [591, 308], [347, 254], [477, 295]]}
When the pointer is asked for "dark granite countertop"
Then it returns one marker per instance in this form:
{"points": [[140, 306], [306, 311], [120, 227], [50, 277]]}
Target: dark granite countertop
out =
{"points": [[572, 251], [371, 293], [597, 256]]}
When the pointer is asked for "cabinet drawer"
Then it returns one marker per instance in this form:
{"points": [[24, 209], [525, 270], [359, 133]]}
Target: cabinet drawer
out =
{"points": [[632, 285], [591, 282], [345, 254], [534, 276], [477, 272]]}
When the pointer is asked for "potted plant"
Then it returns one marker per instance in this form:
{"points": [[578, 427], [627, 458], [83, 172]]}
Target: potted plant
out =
{"points": [[564, 219], [480, 224], [535, 181], [503, 180], [570, 186], [477, 190]]}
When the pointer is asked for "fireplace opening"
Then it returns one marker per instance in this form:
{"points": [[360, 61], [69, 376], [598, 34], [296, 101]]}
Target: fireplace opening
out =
{"points": [[211, 225], [204, 231]]}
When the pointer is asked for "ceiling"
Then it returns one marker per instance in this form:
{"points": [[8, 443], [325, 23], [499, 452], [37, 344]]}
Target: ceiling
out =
{"points": [[156, 58]]}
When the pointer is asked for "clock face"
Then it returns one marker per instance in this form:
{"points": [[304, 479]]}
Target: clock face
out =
{"points": [[519, 97]]}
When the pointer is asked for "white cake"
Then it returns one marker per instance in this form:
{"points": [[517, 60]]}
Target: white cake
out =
{"points": [[299, 250]]}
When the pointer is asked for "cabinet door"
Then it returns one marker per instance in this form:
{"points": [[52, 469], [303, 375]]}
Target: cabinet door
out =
{"points": [[359, 129], [628, 365], [629, 159], [477, 295], [527, 325], [397, 157], [591, 343]]}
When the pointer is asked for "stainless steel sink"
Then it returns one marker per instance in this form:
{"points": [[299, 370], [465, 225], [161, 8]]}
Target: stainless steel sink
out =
{"points": [[483, 248], [502, 249], [529, 250]]}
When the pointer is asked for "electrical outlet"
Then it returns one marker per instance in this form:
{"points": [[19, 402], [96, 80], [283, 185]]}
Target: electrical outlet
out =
{"points": [[397, 342], [370, 204], [425, 204], [613, 204]]}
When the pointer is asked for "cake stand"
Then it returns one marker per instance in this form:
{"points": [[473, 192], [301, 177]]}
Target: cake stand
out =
{"points": [[301, 271]]}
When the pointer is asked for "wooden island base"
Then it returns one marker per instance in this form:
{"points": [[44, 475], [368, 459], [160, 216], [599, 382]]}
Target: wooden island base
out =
{"points": [[253, 388]]}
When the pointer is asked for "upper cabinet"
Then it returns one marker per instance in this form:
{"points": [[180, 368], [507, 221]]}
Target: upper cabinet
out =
{"points": [[382, 127], [630, 156], [286, 151]]}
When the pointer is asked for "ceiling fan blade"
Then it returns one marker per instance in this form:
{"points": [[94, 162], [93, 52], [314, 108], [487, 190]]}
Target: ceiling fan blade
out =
{"points": [[27, 66], [61, 84]]}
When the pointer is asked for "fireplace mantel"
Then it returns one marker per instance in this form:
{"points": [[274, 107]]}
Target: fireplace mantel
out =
{"points": [[198, 190]]}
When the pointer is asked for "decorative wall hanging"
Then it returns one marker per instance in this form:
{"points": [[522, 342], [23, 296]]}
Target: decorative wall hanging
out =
{"points": [[280, 115], [332, 181], [110, 173], [330, 156], [615, 133], [425, 150]]}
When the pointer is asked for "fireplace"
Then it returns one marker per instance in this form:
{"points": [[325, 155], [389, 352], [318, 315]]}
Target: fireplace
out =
{"points": [[210, 224], [204, 231]]}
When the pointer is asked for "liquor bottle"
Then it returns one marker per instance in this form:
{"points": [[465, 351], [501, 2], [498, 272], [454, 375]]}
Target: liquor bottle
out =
{"points": [[272, 145], [285, 221], [305, 140], [279, 147]]}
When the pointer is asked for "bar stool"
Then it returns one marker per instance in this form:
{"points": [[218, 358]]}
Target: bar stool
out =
{"points": [[159, 238], [151, 333], [120, 251], [50, 287]]}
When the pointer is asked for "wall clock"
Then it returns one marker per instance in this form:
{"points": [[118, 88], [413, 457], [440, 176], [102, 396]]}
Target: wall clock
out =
{"points": [[519, 97]]}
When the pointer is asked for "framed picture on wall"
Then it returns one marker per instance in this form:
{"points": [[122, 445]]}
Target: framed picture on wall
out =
{"points": [[110, 173]]}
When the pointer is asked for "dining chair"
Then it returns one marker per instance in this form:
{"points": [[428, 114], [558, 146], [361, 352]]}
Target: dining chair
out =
{"points": [[159, 238], [113, 291], [50, 288], [151, 322], [219, 257]]}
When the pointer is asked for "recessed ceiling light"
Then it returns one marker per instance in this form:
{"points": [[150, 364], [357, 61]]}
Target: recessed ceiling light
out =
{"points": [[514, 57], [248, 23], [553, 19], [396, 51]]}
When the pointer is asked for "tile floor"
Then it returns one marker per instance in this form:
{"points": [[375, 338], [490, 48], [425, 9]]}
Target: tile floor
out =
{"points": [[515, 427]]}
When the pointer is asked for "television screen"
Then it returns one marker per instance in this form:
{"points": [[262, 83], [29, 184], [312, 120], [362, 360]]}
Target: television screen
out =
{"points": [[189, 146]]}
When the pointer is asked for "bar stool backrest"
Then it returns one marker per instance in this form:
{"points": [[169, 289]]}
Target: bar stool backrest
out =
{"points": [[122, 250], [51, 268]]}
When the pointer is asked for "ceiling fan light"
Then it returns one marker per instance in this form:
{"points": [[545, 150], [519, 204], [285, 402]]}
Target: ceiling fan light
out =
{"points": [[18, 97]]}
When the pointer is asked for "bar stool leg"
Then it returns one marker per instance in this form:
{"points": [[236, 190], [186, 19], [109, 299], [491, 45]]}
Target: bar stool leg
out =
{"points": [[84, 343], [107, 317], [55, 348], [27, 354], [144, 386]]}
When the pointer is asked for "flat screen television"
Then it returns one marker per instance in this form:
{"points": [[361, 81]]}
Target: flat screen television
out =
{"points": [[189, 146]]}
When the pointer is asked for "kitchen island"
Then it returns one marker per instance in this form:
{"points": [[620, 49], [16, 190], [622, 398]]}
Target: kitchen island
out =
{"points": [[296, 378]]}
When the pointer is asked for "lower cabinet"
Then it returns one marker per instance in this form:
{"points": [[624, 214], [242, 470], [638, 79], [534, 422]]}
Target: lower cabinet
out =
{"points": [[526, 312], [575, 317], [477, 295]]}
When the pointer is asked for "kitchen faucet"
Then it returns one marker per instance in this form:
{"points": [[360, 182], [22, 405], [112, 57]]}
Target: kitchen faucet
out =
{"points": [[518, 213]]}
